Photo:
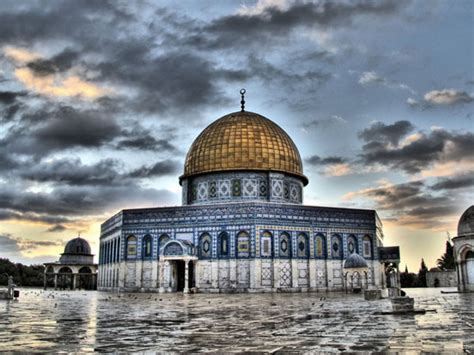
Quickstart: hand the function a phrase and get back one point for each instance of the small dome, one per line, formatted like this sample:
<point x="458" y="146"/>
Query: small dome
<point x="355" y="261"/>
<point x="466" y="223"/>
<point x="243" y="141"/>
<point x="77" y="246"/>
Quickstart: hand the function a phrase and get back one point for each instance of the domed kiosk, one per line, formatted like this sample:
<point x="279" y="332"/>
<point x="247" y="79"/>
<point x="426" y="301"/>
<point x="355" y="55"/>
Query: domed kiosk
<point x="75" y="268"/>
<point x="464" y="251"/>
<point x="242" y="226"/>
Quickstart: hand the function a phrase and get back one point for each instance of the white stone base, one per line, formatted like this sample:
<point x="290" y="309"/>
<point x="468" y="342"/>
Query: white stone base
<point x="234" y="276"/>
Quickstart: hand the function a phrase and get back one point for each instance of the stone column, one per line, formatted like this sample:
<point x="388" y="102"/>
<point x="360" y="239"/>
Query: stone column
<point x="214" y="273"/>
<point x="44" y="280"/>
<point x="168" y="276"/>
<point x="233" y="273"/>
<point x="294" y="273"/>
<point x="312" y="272"/>
<point x="161" y="275"/>
<point x="399" y="284"/>
<point x="74" y="281"/>
<point x="276" y="273"/>
<point x="186" y="276"/>
<point x="55" y="281"/>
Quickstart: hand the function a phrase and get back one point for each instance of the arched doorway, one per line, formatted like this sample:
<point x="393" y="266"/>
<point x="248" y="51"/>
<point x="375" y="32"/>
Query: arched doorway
<point x="85" y="278"/>
<point x="65" y="278"/>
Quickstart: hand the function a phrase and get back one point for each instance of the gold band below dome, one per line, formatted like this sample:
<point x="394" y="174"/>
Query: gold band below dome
<point x="243" y="141"/>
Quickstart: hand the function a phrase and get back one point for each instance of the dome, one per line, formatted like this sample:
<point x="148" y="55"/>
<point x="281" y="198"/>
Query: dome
<point x="77" y="246"/>
<point x="355" y="261"/>
<point x="243" y="141"/>
<point x="466" y="222"/>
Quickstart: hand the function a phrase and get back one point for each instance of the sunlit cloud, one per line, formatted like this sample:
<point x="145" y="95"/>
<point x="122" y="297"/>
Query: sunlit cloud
<point x="447" y="97"/>
<point x="338" y="170"/>
<point x="261" y="6"/>
<point x="53" y="85"/>
<point x="20" y="55"/>
<point x="449" y="168"/>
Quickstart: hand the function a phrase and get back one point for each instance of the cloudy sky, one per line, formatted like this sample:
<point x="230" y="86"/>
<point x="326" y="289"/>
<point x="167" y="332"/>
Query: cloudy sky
<point x="100" y="100"/>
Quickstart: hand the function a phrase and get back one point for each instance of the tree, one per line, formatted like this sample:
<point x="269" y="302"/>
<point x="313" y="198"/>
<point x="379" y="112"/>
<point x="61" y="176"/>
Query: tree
<point x="22" y="275"/>
<point x="446" y="262"/>
<point x="421" y="280"/>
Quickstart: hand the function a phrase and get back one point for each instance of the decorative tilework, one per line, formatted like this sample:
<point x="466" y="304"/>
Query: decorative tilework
<point x="277" y="189"/>
<point x="267" y="274"/>
<point x="285" y="274"/>
<point x="202" y="191"/>
<point x="236" y="188"/>
<point x="212" y="189"/>
<point x="286" y="190"/>
<point x="250" y="188"/>
<point x="294" y="192"/>
<point x="224" y="188"/>
<point x="263" y="190"/>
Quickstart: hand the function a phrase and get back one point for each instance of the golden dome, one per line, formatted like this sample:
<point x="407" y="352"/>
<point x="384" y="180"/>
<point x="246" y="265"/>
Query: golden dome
<point x="243" y="141"/>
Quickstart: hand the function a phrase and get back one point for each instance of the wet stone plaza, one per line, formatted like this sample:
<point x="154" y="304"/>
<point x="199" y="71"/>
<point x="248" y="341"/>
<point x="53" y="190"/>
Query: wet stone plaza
<point x="80" y="321"/>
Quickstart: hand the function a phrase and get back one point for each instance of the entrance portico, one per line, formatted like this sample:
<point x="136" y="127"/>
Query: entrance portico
<point x="177" y="267"/>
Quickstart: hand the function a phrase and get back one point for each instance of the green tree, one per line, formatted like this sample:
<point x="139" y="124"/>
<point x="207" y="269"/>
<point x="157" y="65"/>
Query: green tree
<point x="446" y="262"/>
<point x="23" y="275"/>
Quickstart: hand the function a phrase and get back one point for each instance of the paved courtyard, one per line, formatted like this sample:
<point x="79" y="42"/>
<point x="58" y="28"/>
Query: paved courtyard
<point x="78" y="321"/>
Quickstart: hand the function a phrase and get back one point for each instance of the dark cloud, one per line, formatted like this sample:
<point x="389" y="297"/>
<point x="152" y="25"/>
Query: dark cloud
<point x="63" y="202"/>
<point x="7" y="214"/>
<point x="162" y="168"/>
<point x="57" y="228"/>
<point x="274" y="24"/>
<point x="412" y="204"/>
<point x="61" y="128"/>
<point x="10" y="104"/>
<point x="324" y="122"/>
<point x="9" y="243"/>
<point x="73" y="172"/>
<point x="141" y="139"/>
<point x="316" y="160"/>
<point x="9" y="97"/>
<point x="383" y="133"/>
<point x="59" y="63"/>
<point x="455" y="182"/>
<point x="439" y="145"/>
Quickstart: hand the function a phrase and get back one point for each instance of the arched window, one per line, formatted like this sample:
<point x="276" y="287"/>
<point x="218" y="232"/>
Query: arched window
<point x="320" y="247"/>
<point x="285" y="245"/>
<point x="266" y="244"/>
<point x="131" y="247"/>
<point x="352" y="244"/>
<point x="243" y="245"/>
<point x="162" y="240"/>
<point x="336" y="247"/>
<point x="302" y="245"/>
<point x="367" y="245"/>
<point x="205" y="246"/>
<point x="223" y="245"/>
<point x="147" y="247"/>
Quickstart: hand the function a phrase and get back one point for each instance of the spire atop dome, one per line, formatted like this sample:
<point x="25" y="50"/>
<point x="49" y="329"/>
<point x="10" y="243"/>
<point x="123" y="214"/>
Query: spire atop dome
<point x="242" y="102"/>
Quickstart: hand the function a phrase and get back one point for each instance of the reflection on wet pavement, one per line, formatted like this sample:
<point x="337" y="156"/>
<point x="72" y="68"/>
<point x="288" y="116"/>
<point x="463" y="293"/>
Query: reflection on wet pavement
<point x="78" y="321"/>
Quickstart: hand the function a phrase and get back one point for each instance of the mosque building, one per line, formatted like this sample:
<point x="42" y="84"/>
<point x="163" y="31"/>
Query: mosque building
<point x="242" y="226"/>
<point x="75" y="268"/>
<point x="464" y="251"/>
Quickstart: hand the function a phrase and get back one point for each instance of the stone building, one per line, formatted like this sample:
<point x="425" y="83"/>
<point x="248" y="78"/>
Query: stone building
<point x="464" y="251"/>
<point x="441" y="278"/>
<point x="75" y="268"/>
<point x="242" y="226"/>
